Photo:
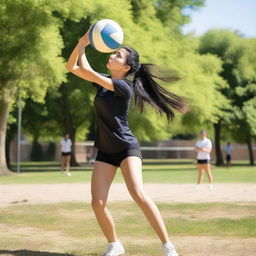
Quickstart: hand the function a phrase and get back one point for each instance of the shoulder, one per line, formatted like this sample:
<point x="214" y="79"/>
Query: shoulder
<point x="208" y="141"/>
<point x="122" y="88"/>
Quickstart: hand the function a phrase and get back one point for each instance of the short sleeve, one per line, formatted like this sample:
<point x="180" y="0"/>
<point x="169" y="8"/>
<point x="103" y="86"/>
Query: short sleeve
<point x="209" y="144"/>
<point x="122" y="88"/>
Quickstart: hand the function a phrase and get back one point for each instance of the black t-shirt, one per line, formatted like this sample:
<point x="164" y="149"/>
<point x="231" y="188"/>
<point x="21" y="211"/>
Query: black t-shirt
<point x="113" y="134"/>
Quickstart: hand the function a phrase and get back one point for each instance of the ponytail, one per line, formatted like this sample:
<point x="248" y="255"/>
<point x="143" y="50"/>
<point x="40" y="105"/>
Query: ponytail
<point x="146" y="89"/>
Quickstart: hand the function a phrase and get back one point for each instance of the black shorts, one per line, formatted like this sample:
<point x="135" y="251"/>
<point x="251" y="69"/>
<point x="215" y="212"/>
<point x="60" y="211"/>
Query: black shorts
<point x="228" y="157"/>
<point x="66" y="153"/>
<point x="116" y="158"/>
<point x="203" y="161"/>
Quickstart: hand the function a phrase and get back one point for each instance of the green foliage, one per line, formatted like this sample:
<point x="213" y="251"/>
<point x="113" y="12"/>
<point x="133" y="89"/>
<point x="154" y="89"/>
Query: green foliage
<point x="239" y="70"/>
<point x="29" y="49"/>
<point x="171" y="12"/>
<point x="151" y="27"/>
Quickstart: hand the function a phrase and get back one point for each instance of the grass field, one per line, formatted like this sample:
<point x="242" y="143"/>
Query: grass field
<point x="71" y="228"/>
<point x="173" y="171"/>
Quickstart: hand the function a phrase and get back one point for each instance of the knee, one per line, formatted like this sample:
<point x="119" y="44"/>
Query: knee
<point x="98" y="204"/>
<point x="137" y="194"/>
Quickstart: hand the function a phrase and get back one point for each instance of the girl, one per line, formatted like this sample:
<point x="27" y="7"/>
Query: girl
<point x="116" y="144"/>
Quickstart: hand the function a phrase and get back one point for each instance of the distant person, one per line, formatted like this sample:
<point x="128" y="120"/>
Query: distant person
<point x="65" y="154"/>
<point x="203" y="148"/>
<point x="228" y="150"/>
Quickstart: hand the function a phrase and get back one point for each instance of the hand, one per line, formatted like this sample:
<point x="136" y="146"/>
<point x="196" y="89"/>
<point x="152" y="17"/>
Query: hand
<point x="84" y="40"/>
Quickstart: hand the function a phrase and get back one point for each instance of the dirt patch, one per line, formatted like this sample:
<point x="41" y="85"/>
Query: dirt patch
<point x="185" y="193"/>
<point x="37" y="237"/>
<point x="215" y="246"/>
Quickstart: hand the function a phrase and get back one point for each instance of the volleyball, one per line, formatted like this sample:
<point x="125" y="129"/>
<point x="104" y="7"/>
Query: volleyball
<point x="106" y="35"/>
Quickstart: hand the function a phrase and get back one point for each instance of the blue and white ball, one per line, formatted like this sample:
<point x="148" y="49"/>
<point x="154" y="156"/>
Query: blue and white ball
<point x="106" y="35"/>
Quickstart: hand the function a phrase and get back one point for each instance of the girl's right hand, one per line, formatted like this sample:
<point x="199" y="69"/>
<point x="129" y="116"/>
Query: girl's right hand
<point x="84" y="40"/>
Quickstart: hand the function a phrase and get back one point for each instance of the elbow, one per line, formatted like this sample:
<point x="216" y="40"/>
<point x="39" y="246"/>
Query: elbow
<point x="69" y="67"/>
<point x="85" y="70"/>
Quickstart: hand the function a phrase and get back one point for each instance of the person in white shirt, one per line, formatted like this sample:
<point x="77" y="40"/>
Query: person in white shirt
<point x="66" y="154"/>
<point x="228" y="150"/>
<point x="203" y="148"/>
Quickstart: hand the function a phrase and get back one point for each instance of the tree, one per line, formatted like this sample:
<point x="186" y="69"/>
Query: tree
<point x="70" y="105"/>
<point x="238" y="70"/>
<point x="28" y="63"/>
<point x="244" y="97"/>
<point x="30" y="51"/>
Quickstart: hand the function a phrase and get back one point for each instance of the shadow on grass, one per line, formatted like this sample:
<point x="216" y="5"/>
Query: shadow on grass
<point x="38" y="253"/>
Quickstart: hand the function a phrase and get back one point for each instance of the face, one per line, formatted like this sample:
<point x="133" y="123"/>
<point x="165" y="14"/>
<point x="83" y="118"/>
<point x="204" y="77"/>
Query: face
<point x="202" y="135"/>
<point x="117" y="61"/>
<point x="66" y="136"/>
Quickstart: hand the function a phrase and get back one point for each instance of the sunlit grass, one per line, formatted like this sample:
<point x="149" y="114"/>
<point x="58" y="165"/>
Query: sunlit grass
<point x="169" y="171"/>
<point x="72" y="227"/>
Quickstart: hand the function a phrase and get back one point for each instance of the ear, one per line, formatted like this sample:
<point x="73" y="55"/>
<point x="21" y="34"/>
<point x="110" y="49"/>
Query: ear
<point x="127" y="68"/>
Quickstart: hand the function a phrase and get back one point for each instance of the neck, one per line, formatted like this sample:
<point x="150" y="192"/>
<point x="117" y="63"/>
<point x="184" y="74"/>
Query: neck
<point x="117" y="75"/>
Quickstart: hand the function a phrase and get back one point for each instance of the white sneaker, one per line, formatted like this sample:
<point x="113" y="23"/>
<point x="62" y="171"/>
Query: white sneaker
<point x="114" y="249"/>
<point x="68" y="173"/>
<point x="210" y="186"/>
<point x="169" y="249"/>
<point x="197" y="187"/>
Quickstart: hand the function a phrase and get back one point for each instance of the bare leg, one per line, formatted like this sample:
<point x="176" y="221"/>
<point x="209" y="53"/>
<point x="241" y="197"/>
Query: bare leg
<point x="62" y="163"/>
<point x="102" y="178"/>
<point x="68" y="163"/>
<point x="200" y="173"/>
<point x="207" y="168"/>
<point x="132" y="173"/>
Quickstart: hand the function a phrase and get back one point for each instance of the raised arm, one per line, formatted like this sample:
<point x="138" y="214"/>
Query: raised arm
<point x="79" y="65"/>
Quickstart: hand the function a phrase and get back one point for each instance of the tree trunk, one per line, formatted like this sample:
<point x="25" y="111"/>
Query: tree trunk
<point x="217" y="132"/>
<point x="249" y="144"/>
<point x="7" y="152"/>
<point x="4" y="111"/>
<point x="72" y="134"/>
<point x="69" y="127"/>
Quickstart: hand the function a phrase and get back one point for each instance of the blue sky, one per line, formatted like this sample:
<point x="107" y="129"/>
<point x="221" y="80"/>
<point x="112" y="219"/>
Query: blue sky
<point x="233" y="14"/>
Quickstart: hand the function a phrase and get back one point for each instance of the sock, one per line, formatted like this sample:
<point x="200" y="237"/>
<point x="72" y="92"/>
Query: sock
<point x="115" y="243"/>
<point x="168" y="244"/>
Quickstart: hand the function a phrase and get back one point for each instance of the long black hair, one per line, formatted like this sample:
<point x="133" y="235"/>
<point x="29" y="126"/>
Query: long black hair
<point x="146" y="89"/>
